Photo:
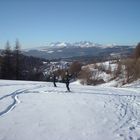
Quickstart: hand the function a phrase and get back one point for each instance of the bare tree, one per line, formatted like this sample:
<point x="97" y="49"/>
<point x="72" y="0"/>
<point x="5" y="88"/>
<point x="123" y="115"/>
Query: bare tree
<point x="137" y="51"/>
<point x="75" y="68"/>
<point x="85" y="76"/>
<point x="90" y="77"/>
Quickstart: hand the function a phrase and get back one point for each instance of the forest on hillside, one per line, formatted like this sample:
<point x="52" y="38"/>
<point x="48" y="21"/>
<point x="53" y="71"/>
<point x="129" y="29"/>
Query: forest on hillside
<point x="16" y="66"/>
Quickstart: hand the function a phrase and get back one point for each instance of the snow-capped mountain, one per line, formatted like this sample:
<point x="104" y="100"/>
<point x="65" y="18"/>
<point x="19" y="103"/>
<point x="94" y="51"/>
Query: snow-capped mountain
<point x="81" y="44"/>
<point x="78" y="49"/>
<point x="57" y="44"/>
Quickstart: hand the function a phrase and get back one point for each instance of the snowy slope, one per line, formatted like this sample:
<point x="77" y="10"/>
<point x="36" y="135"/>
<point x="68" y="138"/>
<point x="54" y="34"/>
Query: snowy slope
<point x="38" y="111"/>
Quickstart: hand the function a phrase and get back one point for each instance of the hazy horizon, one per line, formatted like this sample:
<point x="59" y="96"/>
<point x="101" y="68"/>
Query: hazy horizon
<point x="49" y="44"/>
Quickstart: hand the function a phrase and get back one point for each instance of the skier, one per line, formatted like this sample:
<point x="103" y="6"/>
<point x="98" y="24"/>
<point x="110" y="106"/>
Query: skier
<point x="54" y="79"/>
<point x="67" y="80"/>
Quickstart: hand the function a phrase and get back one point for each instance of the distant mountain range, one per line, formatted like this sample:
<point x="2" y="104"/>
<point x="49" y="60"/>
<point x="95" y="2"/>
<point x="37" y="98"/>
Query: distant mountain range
<point x="58" y="50"/>
<point x="81" y="44"/>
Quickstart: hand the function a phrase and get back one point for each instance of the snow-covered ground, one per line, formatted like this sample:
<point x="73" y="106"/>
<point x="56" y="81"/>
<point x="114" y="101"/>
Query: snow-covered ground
<point x="38" y="111"/>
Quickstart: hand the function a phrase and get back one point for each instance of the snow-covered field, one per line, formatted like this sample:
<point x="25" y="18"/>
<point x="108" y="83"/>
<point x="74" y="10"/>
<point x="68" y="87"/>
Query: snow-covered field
<point x="38" y="111"/>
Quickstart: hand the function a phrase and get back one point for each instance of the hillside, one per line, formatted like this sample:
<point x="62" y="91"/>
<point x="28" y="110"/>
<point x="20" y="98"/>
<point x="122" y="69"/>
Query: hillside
<point x="38" y="111"/>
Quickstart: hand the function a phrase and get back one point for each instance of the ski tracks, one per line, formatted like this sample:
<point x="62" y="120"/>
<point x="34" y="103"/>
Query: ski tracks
<point x="14" y="96"/>
<point x="127" y="112"/>
<point x="125" y="107"/>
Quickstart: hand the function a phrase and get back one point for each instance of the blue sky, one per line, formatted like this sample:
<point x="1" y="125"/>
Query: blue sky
<point x="37" y="22"/>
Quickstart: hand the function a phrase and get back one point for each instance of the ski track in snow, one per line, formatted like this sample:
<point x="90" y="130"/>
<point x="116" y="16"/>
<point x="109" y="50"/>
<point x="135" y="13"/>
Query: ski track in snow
<point x="128" y="117"/>
<point x="14" y="96"/>
<point x="125" y="106"/>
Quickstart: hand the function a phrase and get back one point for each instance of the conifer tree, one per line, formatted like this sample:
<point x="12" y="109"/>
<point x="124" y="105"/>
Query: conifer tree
<point x="17" y="53"/>
<point x="6" y="68"/>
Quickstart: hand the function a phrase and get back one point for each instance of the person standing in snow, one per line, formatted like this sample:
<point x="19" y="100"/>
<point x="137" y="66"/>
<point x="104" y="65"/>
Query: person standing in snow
<point x="54" y="79"/>
<point x="67" y="80"/>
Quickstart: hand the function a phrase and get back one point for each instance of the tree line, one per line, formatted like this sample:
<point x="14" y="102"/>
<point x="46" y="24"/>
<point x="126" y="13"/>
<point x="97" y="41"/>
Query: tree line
<point x="127" y="70"/>
<point x="16" y="66"/>
<point x="132" y="66"/>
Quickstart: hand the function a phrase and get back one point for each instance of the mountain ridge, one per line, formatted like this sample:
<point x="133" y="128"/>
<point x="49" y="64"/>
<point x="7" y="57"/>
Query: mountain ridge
<point x="62" y="50"/>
